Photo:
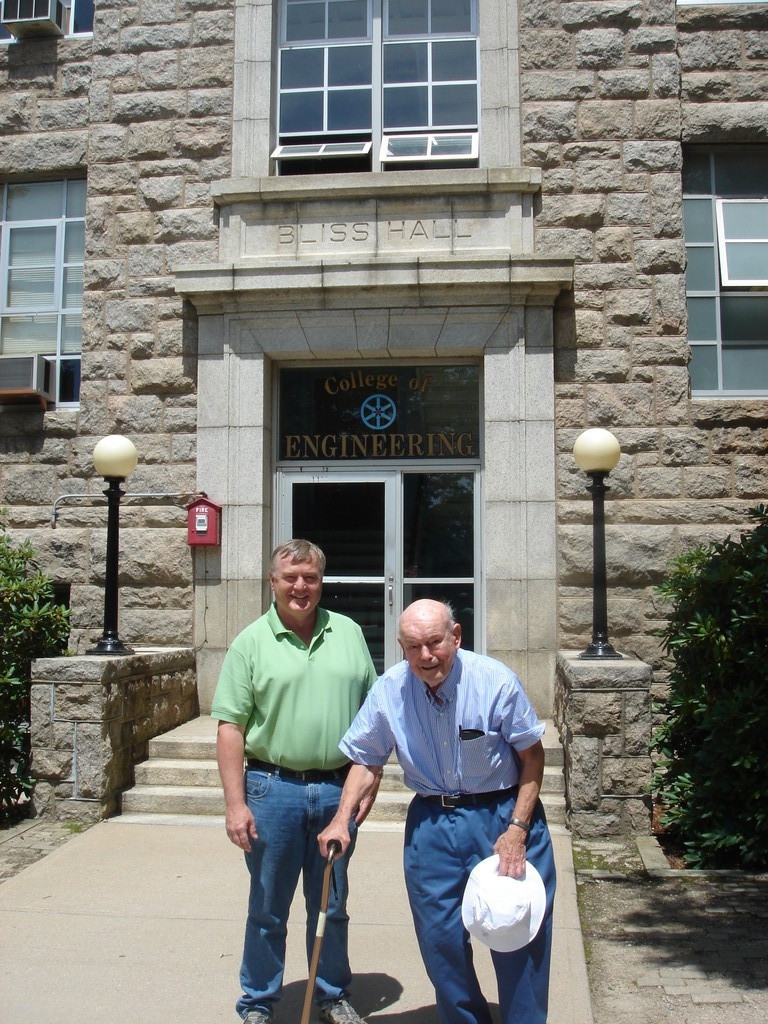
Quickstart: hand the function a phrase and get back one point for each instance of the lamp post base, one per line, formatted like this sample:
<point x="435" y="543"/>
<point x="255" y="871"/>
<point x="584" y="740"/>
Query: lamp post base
<point x="110" y="645"/>
<point x="600" y="649"/>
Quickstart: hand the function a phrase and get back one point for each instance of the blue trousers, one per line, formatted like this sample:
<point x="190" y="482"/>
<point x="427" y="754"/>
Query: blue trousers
<point x="289" y="815"/>
<point x="441" y="848"/>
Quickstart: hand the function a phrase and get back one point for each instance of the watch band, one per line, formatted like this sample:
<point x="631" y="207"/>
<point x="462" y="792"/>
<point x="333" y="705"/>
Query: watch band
<point x="524" y="825"/>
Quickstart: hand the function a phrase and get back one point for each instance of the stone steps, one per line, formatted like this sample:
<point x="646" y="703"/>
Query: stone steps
<point x="179" y="782"/>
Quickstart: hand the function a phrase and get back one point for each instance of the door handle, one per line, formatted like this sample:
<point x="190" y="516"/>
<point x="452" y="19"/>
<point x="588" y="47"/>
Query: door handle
<point x="391" y="592"/>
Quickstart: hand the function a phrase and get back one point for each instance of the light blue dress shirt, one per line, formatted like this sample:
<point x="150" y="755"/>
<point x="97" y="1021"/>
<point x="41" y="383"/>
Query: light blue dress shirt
<point x="480" y="696"/>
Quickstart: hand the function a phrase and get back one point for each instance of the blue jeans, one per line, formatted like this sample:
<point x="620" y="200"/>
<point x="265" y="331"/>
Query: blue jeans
<point x="289" y="814"/>
<point x="441" y="848"/>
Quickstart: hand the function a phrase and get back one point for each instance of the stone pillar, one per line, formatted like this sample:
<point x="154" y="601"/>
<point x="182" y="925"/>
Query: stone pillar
<point x="92" y="718"/>
<point x="603" y="713"/>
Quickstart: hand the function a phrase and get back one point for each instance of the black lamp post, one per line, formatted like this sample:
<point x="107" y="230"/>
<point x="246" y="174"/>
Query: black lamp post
<point x="596" y="452"/>
<point x="115" y="458"/>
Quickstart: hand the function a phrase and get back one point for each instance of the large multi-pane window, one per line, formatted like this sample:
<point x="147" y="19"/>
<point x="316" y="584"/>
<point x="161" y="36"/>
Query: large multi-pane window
<point x="371" y="83"/>
<point x="79" y="17"/>
<point x="725" y="201"/>
<point x="42" y="245"/>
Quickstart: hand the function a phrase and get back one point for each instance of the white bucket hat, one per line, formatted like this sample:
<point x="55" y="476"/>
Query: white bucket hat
<point x="503" y="912"/>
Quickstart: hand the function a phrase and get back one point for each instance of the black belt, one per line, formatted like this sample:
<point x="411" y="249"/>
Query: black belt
<point x="309" y="775"/>
<point x="466" y="799"/>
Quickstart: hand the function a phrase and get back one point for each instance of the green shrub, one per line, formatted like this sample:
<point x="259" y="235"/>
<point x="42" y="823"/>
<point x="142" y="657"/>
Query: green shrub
<point x="32" y="626"/>
<point x="711" y="780"/>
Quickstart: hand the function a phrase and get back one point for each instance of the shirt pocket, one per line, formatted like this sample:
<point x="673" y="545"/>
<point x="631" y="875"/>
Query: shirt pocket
<point x="480" y="760"/>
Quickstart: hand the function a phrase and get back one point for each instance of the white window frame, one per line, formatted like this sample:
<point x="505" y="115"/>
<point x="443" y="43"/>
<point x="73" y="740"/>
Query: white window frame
<point x="57" y="308"/>
<point x="726" y="243"/>
<point x="431" y="152"/>
<point x="320" y="150"/>
<point x="377" y="15"/>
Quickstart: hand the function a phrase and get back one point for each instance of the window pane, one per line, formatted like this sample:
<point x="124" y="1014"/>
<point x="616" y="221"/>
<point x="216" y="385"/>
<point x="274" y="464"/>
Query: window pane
<point x="405" y="108"/>
<point x="406" y="62"/>
<point x="700" y="272"/>
<point x="698" y="216"/>
<point x="697" y="178"/>
<point x="740" y="171"/>
<point x="745" y="220"/>
<point x="408" y="18"/>
<point x="349" y="110"/>
<point x="347" y="521"/>
<point x="461" y="146"/>
<point x="82" y="16"/>
<point x="69" y="380"/>
<point x="74" y="242"/>
<point x="39" y="201"/>
<point x="32" y="246"/>
<point x="438" y="538"/>
<point x="71" y="333"/>
<point x="349" y="65"/>
<point x="72" y="297"/>
<point x="451" y="16"/>
<point x="348" y="19"/>
<point x="454" y="105"/>
<point x="28" y="335"/>
<point x="702" y="319"/>
<point x="302" y="69"/>
<point x="305" y="22"/>
<point x="745" y="367"/>
<point x="415" y="145"/>
<point x="454" y="61"/>
<point x="31" y="288"/>
<point x="744" y="318"/>
<point x="747" y="261"/>
<point x="301" y="113"/>
<point x="703" y="368"/>
<point x="76" y="198"/>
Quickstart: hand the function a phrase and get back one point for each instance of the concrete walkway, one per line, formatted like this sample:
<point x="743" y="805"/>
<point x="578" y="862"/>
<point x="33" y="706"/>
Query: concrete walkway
<point x="143" y="923"/>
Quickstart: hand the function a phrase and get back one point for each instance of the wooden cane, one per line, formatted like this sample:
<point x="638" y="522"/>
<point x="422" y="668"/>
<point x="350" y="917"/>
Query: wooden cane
<point x="333" y="848"/>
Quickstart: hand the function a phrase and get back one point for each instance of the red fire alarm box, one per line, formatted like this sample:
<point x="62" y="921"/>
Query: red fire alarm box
<point x="203" y="522"/>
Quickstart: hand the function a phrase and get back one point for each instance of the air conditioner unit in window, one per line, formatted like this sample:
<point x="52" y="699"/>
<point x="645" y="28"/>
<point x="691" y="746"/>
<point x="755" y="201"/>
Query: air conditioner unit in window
<point x="27" y="379"/>
<point x="25" y="18"/>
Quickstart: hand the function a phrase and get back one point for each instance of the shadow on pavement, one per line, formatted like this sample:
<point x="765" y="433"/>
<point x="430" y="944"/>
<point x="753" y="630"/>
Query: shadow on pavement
<point x="717" y="926"/>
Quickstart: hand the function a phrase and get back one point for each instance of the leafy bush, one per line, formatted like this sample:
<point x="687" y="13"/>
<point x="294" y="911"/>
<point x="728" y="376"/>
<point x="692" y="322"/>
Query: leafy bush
<point x="711" y="780"/>
<point x="32" y="626"/>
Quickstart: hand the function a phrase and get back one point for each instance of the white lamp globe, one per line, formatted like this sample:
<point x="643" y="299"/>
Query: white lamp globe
<point x="596" y="450"/>
<point x="115" y="456"/>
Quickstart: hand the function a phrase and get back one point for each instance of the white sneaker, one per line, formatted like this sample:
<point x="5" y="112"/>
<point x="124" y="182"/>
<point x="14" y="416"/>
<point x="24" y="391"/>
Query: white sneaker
<point x="338" y="1011"/>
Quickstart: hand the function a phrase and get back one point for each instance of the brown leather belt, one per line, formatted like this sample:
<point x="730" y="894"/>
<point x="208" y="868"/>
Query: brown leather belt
<point x="308" y="775"/>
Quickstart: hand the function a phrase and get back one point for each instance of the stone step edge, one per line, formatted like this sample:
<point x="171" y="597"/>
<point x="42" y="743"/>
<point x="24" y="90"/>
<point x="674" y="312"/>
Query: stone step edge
<point x="209" y="765"/>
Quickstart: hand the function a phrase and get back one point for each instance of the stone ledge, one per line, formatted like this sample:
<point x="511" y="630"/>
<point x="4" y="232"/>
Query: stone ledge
<point x="109" y="667"/>
<point x="657" y="865"/>
<point x="328" y="187"/>
<point x="401" y="281"/>
<point x="595" y="674"/>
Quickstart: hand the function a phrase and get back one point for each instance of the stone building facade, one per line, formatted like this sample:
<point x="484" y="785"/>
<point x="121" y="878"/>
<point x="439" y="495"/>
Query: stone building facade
<point x="535" y="286"/>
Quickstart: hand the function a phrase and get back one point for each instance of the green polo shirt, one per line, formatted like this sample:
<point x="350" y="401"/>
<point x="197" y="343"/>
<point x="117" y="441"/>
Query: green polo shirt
<point x="296" y="702"/>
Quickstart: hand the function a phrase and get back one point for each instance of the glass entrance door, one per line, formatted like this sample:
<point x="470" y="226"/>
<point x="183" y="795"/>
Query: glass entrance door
<point x="390" y="537"/>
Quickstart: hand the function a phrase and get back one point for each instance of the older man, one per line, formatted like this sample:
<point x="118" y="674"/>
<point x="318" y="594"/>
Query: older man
<point x="469" y="744"/>
<point x="290" y="685"/>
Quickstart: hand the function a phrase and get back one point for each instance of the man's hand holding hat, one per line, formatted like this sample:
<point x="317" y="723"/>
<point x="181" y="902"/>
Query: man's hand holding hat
<point x="504" y="913"/>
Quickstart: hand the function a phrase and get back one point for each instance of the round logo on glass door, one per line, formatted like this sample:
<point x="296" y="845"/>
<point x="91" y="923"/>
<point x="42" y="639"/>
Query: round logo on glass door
<point x="378" y="412"/>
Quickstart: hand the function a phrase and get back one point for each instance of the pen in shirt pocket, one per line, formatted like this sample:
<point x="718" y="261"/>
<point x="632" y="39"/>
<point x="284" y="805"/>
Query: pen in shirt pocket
<point x="470" y="734"/>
